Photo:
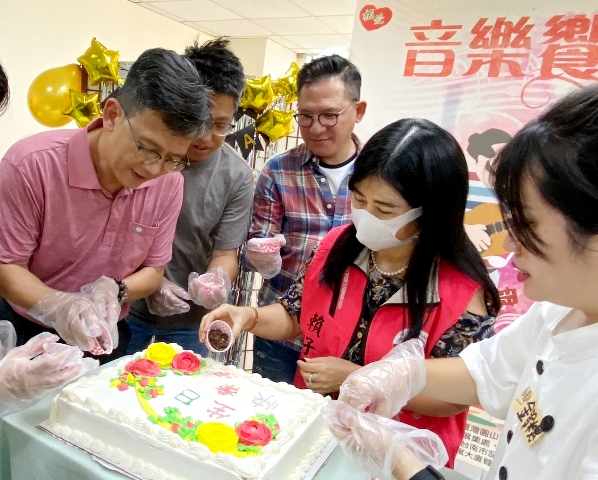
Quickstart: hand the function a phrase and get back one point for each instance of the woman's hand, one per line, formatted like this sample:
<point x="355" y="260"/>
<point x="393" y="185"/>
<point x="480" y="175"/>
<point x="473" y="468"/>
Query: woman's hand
<point x="325" y="374"/>
<point x="238" y="318"/>
<point x="382" y="447"/>
<point x="385" y="386"/>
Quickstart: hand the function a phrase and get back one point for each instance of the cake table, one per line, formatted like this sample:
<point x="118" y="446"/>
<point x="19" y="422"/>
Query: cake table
<point x="27" y="452"/>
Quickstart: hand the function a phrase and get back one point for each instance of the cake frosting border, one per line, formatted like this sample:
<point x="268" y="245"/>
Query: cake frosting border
<point x="249" y="468"/>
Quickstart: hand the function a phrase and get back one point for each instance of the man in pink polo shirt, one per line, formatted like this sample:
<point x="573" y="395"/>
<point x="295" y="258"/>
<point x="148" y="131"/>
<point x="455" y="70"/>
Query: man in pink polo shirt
<point x="31" y="371"/>
<point x="88" y="216"/>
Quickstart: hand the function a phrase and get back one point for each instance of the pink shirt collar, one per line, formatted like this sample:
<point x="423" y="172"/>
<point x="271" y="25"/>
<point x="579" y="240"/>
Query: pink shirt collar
<point x="81" y="170"/>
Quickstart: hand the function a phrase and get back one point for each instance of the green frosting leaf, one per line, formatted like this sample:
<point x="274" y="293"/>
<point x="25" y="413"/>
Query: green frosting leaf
<point x="251" y="449"/>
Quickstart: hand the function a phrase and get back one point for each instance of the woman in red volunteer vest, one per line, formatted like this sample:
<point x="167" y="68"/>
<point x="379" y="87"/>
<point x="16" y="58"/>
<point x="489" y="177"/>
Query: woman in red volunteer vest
<point x="404" y="268"/>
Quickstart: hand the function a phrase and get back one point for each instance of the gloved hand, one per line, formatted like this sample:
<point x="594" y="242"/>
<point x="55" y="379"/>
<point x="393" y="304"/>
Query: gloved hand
<point x="168" y="300"/>
<point x="376" y="443"/>
<point x="385" y="386"/>
<point x="210" y="289"/>
<point x="29" y="372"/>
<point x="104" y="295"/>
<point x="8" y="337"/>
<point x="264" y="255"/>
<point x="74" y="317"/>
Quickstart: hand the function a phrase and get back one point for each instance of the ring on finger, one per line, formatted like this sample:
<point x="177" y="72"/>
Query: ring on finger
<point x="310" y="380"/>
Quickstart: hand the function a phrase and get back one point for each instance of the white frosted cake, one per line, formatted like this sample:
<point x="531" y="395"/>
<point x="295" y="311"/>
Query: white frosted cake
<point x="168" y="414"/>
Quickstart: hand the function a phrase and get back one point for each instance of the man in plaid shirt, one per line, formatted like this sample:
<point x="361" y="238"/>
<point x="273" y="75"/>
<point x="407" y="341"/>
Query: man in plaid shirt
<point x="302" y="193"/>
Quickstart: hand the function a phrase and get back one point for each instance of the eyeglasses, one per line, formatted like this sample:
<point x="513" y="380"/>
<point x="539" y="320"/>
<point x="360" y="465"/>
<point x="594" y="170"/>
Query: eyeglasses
<point x="147" y="156"/>
<point x="221" y="129"/>
<point x="328" y="119"/>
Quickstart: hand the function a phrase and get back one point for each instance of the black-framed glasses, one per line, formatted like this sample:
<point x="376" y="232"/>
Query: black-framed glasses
<point x="327" y="119"/>
<point x="147" y="156"/>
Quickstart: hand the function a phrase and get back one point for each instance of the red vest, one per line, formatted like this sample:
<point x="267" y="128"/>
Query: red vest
<point x="337" y="316"/>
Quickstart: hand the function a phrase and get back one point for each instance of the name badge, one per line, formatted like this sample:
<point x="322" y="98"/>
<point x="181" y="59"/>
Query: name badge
<point x="526" y="408"/>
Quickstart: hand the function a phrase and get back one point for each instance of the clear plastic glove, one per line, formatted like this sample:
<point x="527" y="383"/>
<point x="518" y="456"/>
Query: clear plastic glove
<point x="264" y="255"/>
<point x="104" y="295"/>
<point x="74" y="317"/>
<point x="29" y="372"/>
<point x="8" y="337"/>
<point x="376" y="443"/>
<point x="210" y="289"/>
<point x="385" y="386"/>
<point x="168" y="300"/>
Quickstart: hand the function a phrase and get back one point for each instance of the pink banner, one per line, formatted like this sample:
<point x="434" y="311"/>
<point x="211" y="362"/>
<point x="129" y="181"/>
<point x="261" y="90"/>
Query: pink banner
<point x="480" y="70"/>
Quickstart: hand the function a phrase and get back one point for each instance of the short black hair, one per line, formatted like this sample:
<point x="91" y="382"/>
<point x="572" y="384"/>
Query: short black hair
<point x="331" y="66"/>
<point x="220" y="68"/>
<point x="167" y="83"/>
<point x="4" y="91"/>
<point x="557" y="152"/>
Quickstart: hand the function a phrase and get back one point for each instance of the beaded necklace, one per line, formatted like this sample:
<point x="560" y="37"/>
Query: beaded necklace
<point x="387" y="274"/>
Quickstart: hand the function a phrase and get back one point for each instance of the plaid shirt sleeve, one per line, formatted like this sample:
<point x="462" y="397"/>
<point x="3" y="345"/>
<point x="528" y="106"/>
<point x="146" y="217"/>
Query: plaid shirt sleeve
<point x="268" y="210"/>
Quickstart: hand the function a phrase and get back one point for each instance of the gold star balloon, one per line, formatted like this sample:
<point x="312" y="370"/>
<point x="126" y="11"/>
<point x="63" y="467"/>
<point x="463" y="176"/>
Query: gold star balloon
<point x="258" y="94"/>
<point x="101" y="64"/>
<point x="287" y="86"/>
<point x="84" y="108"/>
<point x="275" y="124"/>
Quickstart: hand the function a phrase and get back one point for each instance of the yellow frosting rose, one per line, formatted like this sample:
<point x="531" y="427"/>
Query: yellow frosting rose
<point x="161" y="353"/>
<point x="217" y="436"/>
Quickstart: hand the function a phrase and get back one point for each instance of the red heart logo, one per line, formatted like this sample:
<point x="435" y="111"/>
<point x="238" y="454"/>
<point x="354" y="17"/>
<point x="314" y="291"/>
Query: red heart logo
<point x="373" y="18"/>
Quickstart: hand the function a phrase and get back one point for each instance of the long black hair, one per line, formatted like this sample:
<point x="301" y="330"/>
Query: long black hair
<point x="4" y="91"/>
<point x="558" y="151"/>
<point x="426" y="166"/>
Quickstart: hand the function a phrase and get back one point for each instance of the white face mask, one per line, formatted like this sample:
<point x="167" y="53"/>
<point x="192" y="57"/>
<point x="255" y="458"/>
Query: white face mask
<point x="378" y="234"/>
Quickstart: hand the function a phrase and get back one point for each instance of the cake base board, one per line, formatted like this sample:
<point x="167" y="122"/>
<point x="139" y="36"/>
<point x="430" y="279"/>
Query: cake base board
<point x="311" y="474"/>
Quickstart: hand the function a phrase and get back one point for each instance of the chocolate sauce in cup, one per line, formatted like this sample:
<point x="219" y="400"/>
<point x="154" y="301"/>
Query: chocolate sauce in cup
<point x="220" y="337"/>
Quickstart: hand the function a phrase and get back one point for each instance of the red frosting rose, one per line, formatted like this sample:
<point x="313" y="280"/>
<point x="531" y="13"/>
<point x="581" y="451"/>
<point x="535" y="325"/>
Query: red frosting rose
<point x="186" y="362"/>
<point x="143" y="367"/>
<point x="253" y="433"/>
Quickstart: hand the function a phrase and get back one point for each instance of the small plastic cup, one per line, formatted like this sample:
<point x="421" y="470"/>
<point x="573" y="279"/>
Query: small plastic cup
<point x="210" y="281"/>
<point x="216" y="339"/>
<point x="269" y="245"/>
<point x="103" y="343"/>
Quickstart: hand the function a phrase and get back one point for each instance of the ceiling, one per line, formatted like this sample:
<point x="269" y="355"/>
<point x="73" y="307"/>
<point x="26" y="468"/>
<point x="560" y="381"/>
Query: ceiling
<point x="304" y="26"/>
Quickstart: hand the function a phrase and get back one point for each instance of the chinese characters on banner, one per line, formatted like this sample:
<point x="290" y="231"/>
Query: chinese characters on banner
<point x="480" y="440"/>
<point x="481" y="72"/>
<point x="566" y="47"/>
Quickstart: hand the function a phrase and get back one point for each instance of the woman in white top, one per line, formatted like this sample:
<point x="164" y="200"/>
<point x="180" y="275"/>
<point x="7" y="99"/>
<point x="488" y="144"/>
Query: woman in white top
<point x="541" y="373"/>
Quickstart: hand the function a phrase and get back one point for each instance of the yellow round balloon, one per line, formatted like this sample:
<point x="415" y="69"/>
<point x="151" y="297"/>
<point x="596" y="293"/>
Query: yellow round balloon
<point x="275" y="124"/>
<point x="49" y="94"/>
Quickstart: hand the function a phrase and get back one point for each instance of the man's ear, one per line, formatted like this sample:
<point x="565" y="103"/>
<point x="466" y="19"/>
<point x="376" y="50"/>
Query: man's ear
<point x="360" y="110"/>
<point x="593" y="244"/>
<point x="112" y="112"/>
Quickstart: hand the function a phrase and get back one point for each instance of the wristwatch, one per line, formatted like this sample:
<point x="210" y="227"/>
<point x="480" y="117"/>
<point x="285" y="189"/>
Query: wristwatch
<point x="428" y="473"/>
<point x="123" y="291"/>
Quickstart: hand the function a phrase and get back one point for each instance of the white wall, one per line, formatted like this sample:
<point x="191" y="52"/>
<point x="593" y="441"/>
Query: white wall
<point x="251" y="52"/>
<point x="278" y="59"/>
<point x="36" y="35"/>
<point x="262" y="56"/>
